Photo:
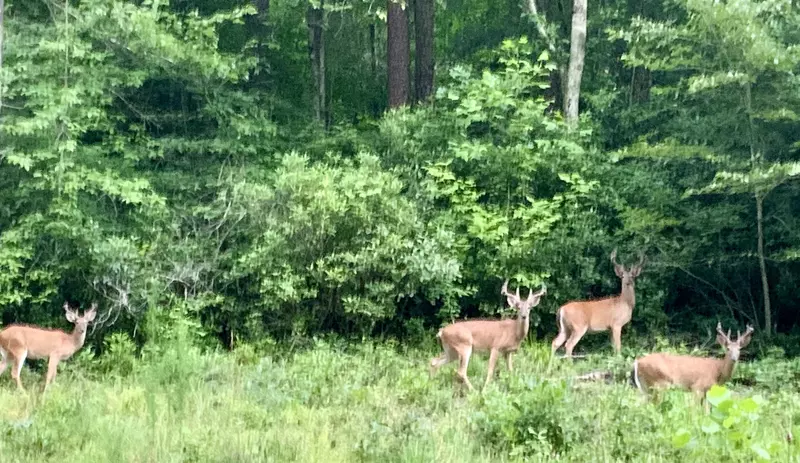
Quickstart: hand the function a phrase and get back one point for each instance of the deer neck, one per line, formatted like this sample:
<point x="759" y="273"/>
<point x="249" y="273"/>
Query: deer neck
<point x="628" y="296"/>
<point x="522" y="326"/>
<point x="78" y="338"/>
<point x="726" y="367"/>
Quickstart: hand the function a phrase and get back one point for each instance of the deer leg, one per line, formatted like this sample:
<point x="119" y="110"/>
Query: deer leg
<point x="462" y="367"/>
<point x="52" y="367"/>
<point x="558" y="341"/>
<point x="492" y="362"/>
<point x="447" y="356"/>
<point x="508" y="361"/>
<point x="3" y="361"/>
<point x="562" y="334"/>
<point x="700" y="396"/>
<point x="616" y="336"/>
<point x="574" y="338"/>
<point x="19" y="360"/>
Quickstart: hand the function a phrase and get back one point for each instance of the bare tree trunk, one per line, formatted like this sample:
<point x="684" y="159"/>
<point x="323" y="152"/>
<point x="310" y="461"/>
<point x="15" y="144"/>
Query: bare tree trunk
<point x="759" y="195"/>
<point x="262" y="13"/>
<point x="315" y="18"/>
<point x="2" y="9"/>
<point x="375" y="100"/>
<point x="555" y="92"/>
<point x="258" y="26"/>
<point x="397" y="54"/>
<point x="577" y="51"/>
<point x="763" y="264"/>
<point x="424" y="11"/>
<point x="373" y="56"/>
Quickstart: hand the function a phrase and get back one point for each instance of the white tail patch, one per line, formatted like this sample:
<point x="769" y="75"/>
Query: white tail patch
<point x="636" y="375"/>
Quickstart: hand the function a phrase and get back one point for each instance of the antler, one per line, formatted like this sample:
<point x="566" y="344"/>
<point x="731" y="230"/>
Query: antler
<point x="614" y="257"/>
<point x="641" y="261"/>
<point x="722" y="333"/>
<point x="504" y="291"/>
<point x="748" y="331"/>
<point x="542" y="291"/>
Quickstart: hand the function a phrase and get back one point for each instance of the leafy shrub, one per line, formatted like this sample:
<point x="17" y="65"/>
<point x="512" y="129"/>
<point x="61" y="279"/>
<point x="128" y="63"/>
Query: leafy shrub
<point x="731" y="431"/>
<point x="531" y="421"/>
<point x="335" y="247"/>
<point x="119" y="355"/>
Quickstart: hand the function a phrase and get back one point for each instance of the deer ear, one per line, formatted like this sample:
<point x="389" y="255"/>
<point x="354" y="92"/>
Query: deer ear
<point x="512" y="301"/>
<point x="635" y="271"/>
<point x="91" y="313"/>
<point x="619" y="270"/>
<point x="71" y="317"/>
<point x="722" y="341"/>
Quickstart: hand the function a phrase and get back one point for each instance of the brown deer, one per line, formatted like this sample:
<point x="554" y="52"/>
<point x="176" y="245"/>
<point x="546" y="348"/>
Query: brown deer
<point x="577" y="317"/>
<point x="460" y="339"/>
<point x="696" y="374"/>
<point x="18" y="342"/>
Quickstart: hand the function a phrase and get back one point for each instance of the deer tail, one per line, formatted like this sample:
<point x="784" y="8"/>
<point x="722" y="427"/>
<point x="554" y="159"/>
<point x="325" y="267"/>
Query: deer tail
<point x="560" y="317"/>
<point x="635" y="376"/>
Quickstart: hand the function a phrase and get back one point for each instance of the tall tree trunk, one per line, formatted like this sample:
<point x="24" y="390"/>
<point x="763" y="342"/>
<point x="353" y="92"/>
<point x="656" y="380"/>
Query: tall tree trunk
<point x="397" y="54"/>
<point x="375" y="100"/>
<point x="423" y="41"/>
<point x="315" y="18"/>
<point x="577" y="51"/>
<point x="641" y="81"/>
<point x="262" y="15"/>
<point x="553" y="94"/>
<point x="763" y="264"/>
<point x="258" y="26"/>
<point x="2" y="9"/>
<point x="759" y="196"/>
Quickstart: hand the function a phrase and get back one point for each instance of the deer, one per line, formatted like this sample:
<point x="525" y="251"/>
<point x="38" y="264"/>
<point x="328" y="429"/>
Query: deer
<point x="460" y="339"/>
<point x="18" y="342"/>
<point x="696" y="374"/>
<point x="575" y="318"/>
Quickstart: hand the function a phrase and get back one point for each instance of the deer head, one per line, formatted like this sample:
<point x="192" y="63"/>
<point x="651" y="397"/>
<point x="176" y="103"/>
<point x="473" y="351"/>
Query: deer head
<point x="523" y="306"/>
<point x="81" y="323"/>
<point x="733" y="348"/>
<point x="627" y="275"/>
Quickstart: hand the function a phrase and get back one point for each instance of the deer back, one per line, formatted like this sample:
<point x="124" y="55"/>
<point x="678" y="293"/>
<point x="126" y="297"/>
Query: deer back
<point x="39" y="342"/>
<point x="484" y="334"/>
<point x="597" y="315"/>
<point x="695" y="373"/>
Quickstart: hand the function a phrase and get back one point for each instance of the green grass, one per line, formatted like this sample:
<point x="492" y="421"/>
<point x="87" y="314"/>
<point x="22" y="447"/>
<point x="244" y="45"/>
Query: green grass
<point x="373" y="402"/>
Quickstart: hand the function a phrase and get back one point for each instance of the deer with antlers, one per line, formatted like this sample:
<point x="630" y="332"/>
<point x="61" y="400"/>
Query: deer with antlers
<point x="18" y="342"/>
<point x="697" y="374"/>
<point x="460" y="339"/>
<point x="612" y="313"/>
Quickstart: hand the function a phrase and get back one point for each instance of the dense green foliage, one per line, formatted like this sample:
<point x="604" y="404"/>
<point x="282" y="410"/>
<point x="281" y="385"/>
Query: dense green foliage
<point x="158" y="157"/>
<point x="163" y="157"/>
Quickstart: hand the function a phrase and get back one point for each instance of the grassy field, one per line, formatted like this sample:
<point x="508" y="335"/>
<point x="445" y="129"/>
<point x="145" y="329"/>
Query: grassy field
<point x="376" y="402"/>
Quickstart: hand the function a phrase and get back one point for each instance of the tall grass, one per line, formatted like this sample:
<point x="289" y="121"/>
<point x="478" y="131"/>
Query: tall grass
<point x="369" y="402"/>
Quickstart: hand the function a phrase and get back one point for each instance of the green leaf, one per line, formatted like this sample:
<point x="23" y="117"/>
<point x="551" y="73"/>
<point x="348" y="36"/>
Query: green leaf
<point x="710" y="427"/>
<point x="681" y="438"/>
<point x="717" y="394"/>
<point x="760" y="451"/>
